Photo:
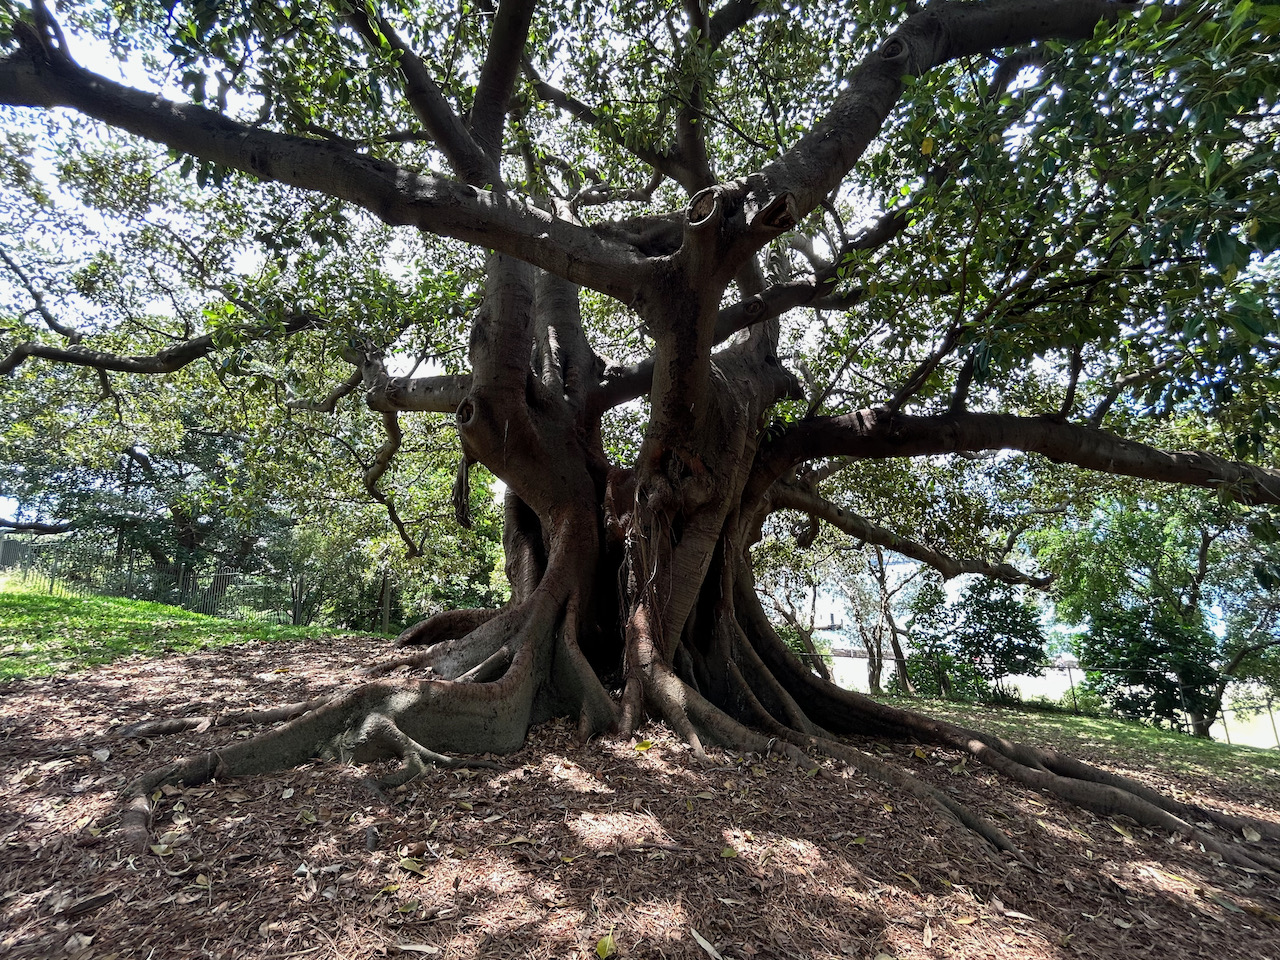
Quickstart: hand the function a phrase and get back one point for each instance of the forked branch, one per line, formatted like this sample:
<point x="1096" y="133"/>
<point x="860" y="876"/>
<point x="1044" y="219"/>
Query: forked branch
<point x="788" y="497"/>
<point x="166" y="360"/>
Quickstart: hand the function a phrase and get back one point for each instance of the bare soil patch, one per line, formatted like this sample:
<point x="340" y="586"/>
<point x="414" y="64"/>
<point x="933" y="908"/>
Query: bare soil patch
<point x="749" y="858"/>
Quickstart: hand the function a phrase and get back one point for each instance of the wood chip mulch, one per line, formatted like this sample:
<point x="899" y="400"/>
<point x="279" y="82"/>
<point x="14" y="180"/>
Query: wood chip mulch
<point x="574" y="844"/>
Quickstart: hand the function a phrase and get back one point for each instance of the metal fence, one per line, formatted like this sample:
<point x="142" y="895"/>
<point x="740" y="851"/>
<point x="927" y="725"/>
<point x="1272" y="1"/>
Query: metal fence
<point x="1243" y="708"/>
<point x="66" y="569"/>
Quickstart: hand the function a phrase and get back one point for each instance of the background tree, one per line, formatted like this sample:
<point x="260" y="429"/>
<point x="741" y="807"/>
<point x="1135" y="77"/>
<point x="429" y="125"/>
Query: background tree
<point x="793" y="582"/>
<point x="1169" y="592"/>
<point x="873" y="594"/>
<point x="1001" y="632"/>
<point x="650" y="223"/>
<point x="240" y="459"/>
<point x="967" y="647"/>
<point x="931" y="666"/>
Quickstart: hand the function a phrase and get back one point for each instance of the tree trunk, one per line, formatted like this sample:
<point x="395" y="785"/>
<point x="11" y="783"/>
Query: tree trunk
<point x="900" y="666"/>
<point x="875" y="663"/>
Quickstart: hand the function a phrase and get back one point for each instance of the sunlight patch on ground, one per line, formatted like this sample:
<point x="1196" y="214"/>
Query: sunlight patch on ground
<point x="603" y="831"/>
<point x="567" y="774"/>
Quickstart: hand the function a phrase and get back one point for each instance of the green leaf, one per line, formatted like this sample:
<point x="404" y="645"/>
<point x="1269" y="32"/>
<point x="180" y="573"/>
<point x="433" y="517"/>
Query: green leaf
<point x="1225" y="251"/>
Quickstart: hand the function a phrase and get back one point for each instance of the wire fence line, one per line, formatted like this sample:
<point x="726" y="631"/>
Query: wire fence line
<point x="1264" y="705"/>
<point x="194" y="583"/>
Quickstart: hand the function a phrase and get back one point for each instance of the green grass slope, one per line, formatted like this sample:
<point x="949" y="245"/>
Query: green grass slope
<point x="1119" y="741"/>
<point x="42" y="634"/>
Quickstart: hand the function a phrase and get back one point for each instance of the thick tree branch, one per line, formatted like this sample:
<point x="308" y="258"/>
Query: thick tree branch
<point x="1120" y="386"/>
<point x="395" y="195"/>
<point x="501" y="69"/>
<point x="660" y="160"/>
<point x="391" y="395"/>
<point x="433" y="394"/>
<point x="731" y="16"/>
<point x="1009" y="67"/>
<point x="1239" y="656"/>
<point x="330" y="402"/>
<point x="812" y="169"/>
<point x="788" y="497"/>
<point x="694" y="163"/>
<point x="167" y="360"/>
<point x="820" y="292"/>
<point x="429" y="104"/>
<point x="878" y="433"/>
<point x="598" y="192"/>
<point x="19" y="526"/>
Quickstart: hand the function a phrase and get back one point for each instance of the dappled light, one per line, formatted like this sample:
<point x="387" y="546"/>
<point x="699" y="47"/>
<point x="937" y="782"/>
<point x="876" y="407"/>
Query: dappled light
<point x="581" y="351"/>
<point x="569" y="844"/>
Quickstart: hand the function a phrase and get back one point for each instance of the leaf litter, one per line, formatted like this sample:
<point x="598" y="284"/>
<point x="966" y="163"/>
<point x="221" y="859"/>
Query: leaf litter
<point x="630" y="848"/>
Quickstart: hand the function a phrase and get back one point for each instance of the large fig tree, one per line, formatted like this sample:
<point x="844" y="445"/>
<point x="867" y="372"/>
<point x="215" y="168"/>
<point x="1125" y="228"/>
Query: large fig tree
<point x="820" y="240"/>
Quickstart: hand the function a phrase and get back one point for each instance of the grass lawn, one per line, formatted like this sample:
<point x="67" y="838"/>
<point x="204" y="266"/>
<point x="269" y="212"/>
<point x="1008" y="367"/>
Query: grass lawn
<point x="1124" y="741"/>
<point x="42" y="634"/>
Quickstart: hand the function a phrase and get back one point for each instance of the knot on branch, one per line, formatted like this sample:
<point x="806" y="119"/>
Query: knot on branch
<point x="466" y="412"/>
<point x="894" y="49"/>
<point x="778" y="215"/>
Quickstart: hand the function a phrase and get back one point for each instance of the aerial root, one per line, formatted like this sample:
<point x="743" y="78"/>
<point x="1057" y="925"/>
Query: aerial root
<point x="795" y="717"/>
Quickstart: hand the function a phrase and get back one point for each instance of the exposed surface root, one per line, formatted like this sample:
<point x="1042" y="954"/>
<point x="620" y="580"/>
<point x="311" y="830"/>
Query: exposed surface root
<point x="1102" y="792"/>
<point x="453" y="657"/>
<point x="883" y="772"/>
<point x="1107" y="794"/>
<point x="446" y="625"/>
<point x="524" y="664"/>
<point x="171" y="725"/>
<point x="373" y="721"/>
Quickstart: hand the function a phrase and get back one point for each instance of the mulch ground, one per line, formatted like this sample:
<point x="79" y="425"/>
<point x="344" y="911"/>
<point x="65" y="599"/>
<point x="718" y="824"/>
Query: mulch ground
<point x="574" y="844"/>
